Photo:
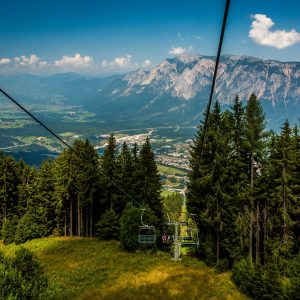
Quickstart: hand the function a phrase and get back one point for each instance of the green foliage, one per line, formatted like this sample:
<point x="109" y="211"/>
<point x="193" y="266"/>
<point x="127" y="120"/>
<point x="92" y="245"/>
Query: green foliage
<point x="256" y="281"/>
<point x="108" y="226"/>
<point x="32" y="225"/>
<point x="294" y="273"/>
<point x="22" y="277"/>
<point x="8" y="230"/>
<point x="130" y="223"/>
<point x="129" y="227"/>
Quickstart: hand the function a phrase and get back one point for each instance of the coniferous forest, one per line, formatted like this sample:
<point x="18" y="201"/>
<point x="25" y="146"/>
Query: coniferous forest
<point x="243" y="187"/>
<point x="245" y="190"/>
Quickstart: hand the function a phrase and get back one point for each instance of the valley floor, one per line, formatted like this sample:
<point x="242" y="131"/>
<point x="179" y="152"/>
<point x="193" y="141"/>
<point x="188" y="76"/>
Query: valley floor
<point x="81" y="268"/>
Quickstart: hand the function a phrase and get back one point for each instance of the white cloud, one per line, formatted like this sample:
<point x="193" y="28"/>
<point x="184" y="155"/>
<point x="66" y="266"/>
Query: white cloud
<point x="177" y="50"/>
<point x="104" y="63"/>
<point x="180" y="50"/>
<point x="31" y="61"/>
<point x="147" y="63"/>
<point x="4" y="61"/>
<point x="261" y="34"/>
<point x="122" y="61"/>
<point x="76" y="61"/>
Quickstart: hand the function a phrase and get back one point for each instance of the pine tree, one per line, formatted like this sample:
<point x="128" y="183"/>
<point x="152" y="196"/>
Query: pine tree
<point x="255" y="146"/>
<point x="110" y="169"/>
<point x="125" y="177"/>
<point x="283" y="194"/>
<point x="149" y="184"/>
<point x="8" y="188"/>
<point x="208" y="191"/>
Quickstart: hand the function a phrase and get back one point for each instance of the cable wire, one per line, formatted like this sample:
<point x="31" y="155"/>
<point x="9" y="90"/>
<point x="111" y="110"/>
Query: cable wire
<point x="215" y="73"/>
<point x="206" y="117"/>
<point x="65" y="143"/>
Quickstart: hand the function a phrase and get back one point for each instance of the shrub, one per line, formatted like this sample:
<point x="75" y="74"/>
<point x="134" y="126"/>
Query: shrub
<point x="108" y="226"/>
<point x="294" y="274"/>
<point x="32" y="225"/>
<point x="22" y="277"/>
<point x="8" y="231"/>
<point x="130" y="223"/>
<point x="256" y="281"/>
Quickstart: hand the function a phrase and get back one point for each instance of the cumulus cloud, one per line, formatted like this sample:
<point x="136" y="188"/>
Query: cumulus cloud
<point x="261" y="34"/>
<point x="76" y="61"/>
<point x="147" y="63"/>
<point x="180" y="50"/>
<point x="122" y="61"/>
<point x="177" y="50"/>
<point x="4" y="61"/>
<point x="32" y="61"/>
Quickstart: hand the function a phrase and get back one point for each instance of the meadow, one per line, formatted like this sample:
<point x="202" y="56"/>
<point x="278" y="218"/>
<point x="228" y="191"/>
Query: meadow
<point x="86" y="268"/>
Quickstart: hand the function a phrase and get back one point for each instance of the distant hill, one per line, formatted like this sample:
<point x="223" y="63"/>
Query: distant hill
<point x="174" y="92"/>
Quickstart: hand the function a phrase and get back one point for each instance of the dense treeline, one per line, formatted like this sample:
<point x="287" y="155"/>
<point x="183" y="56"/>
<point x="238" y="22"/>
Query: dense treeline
<point x="245" y="190"/>
<point x="76" y="195"/>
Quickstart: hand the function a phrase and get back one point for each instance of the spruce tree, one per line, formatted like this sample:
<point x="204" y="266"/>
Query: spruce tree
<point x="110" y="170"/>
<point x="149" y="183"/>
<point x="255" y="145"/>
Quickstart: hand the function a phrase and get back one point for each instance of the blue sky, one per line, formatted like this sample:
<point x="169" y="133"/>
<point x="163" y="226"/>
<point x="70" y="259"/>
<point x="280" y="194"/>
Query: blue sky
<point x="115" y="36"/>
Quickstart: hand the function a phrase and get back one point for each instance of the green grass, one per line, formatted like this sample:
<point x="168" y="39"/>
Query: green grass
<point x="82" y="268"/>
<point x="170" y="170"/>
<point x="166" y="193"/>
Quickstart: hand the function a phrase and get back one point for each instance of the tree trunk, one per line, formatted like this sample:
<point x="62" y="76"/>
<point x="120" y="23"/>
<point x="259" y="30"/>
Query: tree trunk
<point x="218" y="246"/>
<point x="78" y="221"/>
<point x="265" y="231"/>
<point x="81" y="222"/>
<point x="86" y="221"/>
<point x="71" y="217"/>
<point x="252" y="171"/>
<point x="250" y="236"/>
<point x="257" y="245"/>
<point x="65" y="225"/>
<point x="91" y="219"/>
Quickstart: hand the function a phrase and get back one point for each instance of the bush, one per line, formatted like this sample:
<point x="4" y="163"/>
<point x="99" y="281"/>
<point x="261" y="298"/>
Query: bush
<point x="294" y="274"/>
<point x="32" y="225"/>
<point x="8" y="231"/>
<point x="22" y="277"/>
<point x="256" y="281"/>
<point x="108" y="226"/>
<point x="130" y="223"/>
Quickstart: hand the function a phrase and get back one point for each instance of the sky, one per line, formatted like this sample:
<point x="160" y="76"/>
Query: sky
<point x="114" y="36"/>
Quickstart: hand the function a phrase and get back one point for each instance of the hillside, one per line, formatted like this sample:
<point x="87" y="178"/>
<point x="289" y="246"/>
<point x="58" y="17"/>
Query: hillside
<point x="81" y="268"/>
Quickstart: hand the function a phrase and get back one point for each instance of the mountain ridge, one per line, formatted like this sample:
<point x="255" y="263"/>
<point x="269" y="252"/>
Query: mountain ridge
<point x="173" y="92"/>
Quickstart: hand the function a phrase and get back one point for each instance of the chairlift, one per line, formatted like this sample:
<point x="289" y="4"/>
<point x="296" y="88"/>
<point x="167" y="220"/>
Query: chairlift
<point x="191" y="238"/>
<point x="147" y="234"/>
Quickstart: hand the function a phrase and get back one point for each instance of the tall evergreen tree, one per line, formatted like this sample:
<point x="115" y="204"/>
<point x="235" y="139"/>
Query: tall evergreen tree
<point x="126" y="176"/>
<point x="109" y="168"/>
<point x="149" y="184"/>
<point x="8" y="188"/>
<point x="255" y="145"/>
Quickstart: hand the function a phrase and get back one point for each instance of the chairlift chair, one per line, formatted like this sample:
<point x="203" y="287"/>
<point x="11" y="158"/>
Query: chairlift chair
<point x="147" y="234"/>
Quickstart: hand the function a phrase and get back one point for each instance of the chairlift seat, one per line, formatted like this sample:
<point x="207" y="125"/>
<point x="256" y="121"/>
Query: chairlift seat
<point x="147" y="235"/>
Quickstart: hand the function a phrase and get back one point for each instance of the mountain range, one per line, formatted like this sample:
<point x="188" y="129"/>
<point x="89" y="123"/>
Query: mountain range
<point x="173" y="92"/>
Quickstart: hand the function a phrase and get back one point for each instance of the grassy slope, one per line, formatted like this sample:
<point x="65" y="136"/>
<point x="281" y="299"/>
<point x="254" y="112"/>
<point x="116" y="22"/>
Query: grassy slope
<point x="88" y="269"/>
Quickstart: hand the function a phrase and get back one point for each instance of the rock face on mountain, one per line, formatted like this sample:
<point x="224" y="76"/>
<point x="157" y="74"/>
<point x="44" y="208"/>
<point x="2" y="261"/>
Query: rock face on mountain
<point x="174" y="92"/>
<point x="187" y="76"/>
<point x="177" y="89"/>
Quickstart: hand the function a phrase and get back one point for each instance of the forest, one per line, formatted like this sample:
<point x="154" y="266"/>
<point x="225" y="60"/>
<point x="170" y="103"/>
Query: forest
<point x="243" y="187"/>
